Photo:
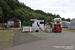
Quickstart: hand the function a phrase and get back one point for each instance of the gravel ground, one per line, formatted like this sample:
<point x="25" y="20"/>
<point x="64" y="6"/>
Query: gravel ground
<point x="17" y="30"/>
<point x="20" y="38"/>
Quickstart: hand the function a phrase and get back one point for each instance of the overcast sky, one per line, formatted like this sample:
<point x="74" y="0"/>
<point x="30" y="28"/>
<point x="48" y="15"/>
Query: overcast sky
<point x="65" y="8"/>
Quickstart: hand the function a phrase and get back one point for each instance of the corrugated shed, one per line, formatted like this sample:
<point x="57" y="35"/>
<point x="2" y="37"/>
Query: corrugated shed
<point x="65" y="24"/>
<point x="72" y="25"/>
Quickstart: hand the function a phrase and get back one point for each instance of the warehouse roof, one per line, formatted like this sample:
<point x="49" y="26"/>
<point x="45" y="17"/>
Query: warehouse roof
<point x="14" y="19"/>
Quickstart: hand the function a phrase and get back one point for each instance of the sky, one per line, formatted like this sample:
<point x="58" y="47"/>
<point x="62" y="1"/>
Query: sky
<point x="65" y="8"/>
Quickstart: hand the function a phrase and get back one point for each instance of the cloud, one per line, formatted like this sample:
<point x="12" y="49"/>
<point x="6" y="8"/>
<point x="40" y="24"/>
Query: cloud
<point x="65" y="8"/>
<point x="65" y="15"/>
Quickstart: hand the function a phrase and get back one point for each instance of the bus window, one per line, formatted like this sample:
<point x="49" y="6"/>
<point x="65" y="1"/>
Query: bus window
<point x="57" y="19"/>
<point x="58" y="26"/>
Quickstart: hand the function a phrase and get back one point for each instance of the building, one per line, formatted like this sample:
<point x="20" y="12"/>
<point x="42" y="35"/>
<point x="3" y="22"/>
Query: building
<point x="1" y="24"/>
<point x="14" y="22"/>
<point x="48" y="27"/>
<point x="72" y="25"/>
<point x="65" y="24"/>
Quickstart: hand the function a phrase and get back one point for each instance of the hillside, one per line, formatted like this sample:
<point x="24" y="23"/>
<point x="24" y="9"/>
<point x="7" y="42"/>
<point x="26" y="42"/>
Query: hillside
<point x="14" y="8"/>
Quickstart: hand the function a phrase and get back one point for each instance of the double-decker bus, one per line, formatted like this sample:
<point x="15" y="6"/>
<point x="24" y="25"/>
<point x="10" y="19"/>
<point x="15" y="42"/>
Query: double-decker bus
<point x="57" y="25"/>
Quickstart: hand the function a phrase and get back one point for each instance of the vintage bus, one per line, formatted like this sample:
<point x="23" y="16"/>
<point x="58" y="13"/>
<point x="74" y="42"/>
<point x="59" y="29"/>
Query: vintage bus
<point x="57" y="25"/>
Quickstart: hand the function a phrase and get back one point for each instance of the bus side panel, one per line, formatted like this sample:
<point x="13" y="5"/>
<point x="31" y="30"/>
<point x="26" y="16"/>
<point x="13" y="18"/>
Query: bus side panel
<point x="59" y="29"/>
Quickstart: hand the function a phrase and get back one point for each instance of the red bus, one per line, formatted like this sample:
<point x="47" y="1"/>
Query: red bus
<point x="57" y="25"/>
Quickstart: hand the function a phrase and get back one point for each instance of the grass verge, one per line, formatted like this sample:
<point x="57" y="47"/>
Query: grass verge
<point x="70" y="30"/>
<point x="0" y="27"/>
<point x="41" y="36"/>
<point x="6" y="38"/>
<point x="17" y="28"/>
<point x="6" y="35"/>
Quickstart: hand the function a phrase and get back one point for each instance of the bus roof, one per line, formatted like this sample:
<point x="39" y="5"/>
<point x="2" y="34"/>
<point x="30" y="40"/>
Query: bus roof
<point x="56" y="18"/>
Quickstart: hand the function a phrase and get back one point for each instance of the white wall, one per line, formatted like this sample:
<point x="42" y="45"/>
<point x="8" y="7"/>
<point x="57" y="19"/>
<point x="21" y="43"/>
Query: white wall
<point x="11" y="23"/>
<point x="20" y="23"/>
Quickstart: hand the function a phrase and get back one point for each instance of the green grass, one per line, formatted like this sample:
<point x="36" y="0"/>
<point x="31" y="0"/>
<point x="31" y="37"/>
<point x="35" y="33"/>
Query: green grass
<point x="17" y="28"/>
<point x="5" y="31"/>
<point x="6" y="35"/>
<point x="41" y="36"/>
<point x="70" y="30"/>
<point x="0" y="27"/>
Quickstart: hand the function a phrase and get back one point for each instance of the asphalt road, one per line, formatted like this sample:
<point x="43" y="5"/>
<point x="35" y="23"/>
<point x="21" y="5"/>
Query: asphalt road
<point x="61" y="41"/>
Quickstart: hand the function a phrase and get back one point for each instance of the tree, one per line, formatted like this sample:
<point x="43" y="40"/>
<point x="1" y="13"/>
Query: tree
<point x="58" y="16"/>
<point x="63" y="19"/>
<point x="40" y="12"/>
<point x="15" y="0"/>
<point x="68" y="19"/>
<point x="1" y="11"/>
<point x="6" y="10"/>
<point x="1" y="14"/>
<point x="14" y="8"/>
